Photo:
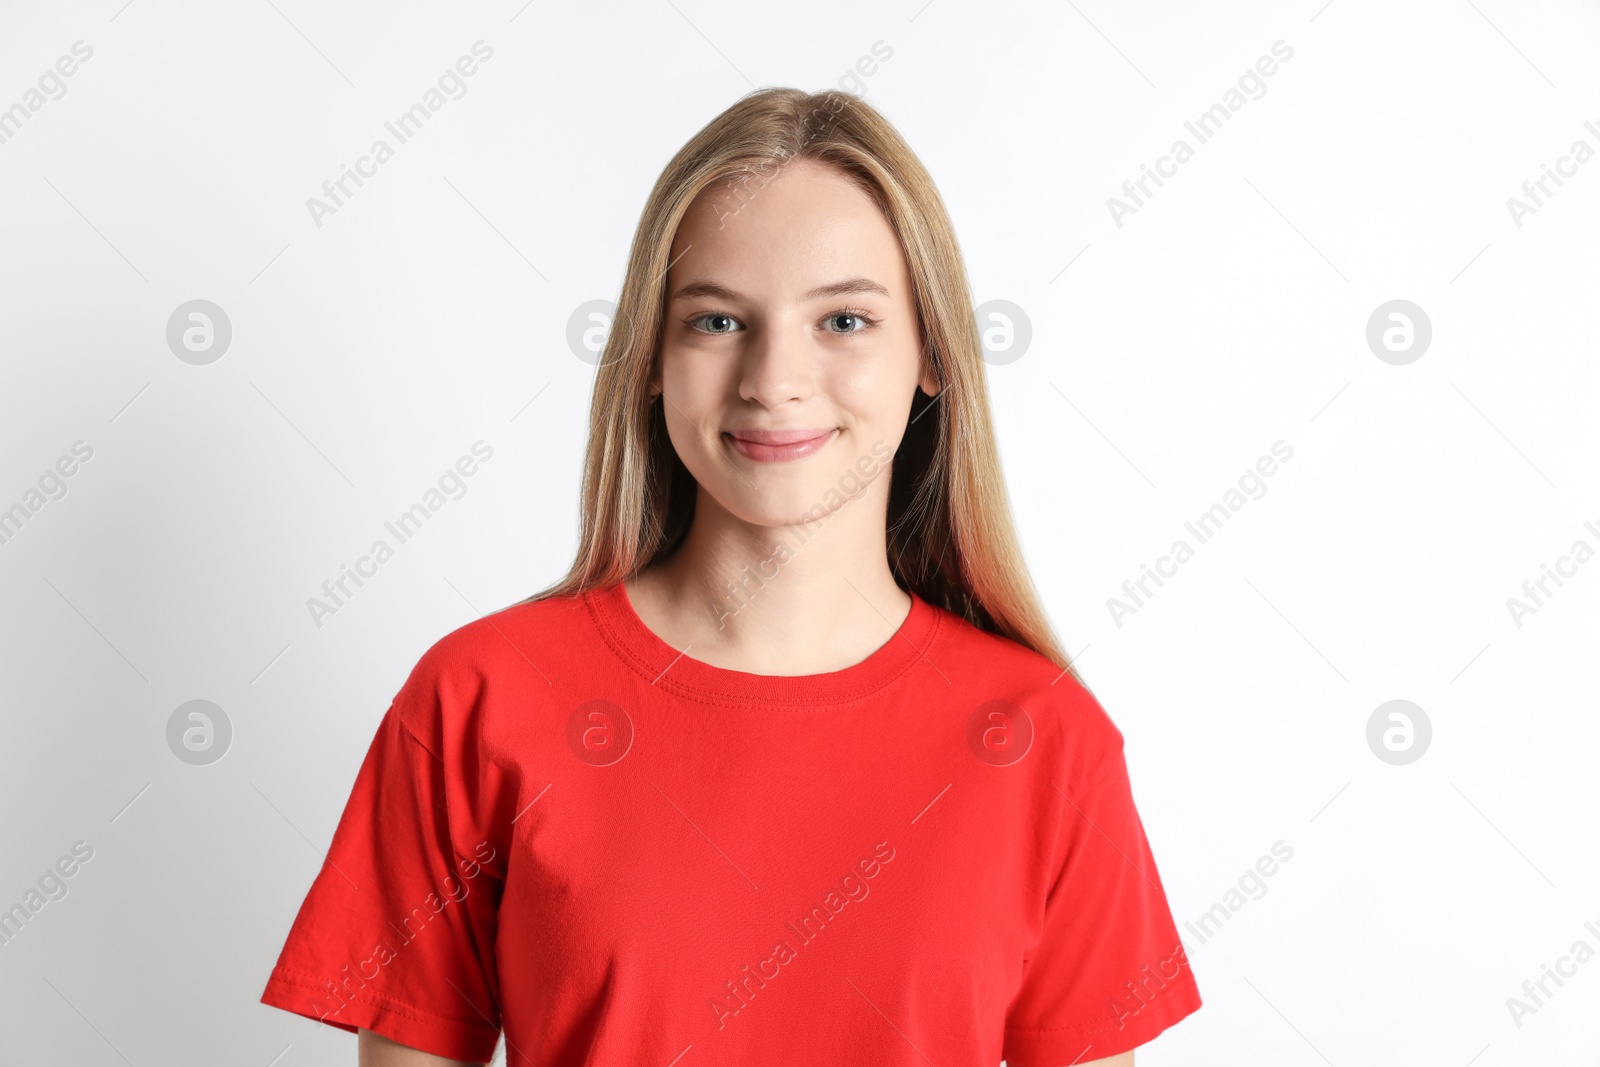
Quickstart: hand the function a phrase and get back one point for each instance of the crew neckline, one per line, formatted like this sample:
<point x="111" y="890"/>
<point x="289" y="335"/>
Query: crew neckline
<point x="669" y="669"/>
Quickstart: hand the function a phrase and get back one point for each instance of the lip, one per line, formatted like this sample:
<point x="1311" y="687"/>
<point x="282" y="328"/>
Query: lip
<point x="778" y="446"/>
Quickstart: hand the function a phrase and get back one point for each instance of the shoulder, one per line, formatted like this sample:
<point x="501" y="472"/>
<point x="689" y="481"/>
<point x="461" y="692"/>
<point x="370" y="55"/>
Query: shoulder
<point x="521" y="633"/>
<point x="1069" y="727"/>
<point x="506" y="656"/>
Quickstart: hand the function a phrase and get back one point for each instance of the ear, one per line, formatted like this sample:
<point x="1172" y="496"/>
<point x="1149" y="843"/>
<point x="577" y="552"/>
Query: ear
<point x="655" y="376"/>
<point x="929" y="383"/>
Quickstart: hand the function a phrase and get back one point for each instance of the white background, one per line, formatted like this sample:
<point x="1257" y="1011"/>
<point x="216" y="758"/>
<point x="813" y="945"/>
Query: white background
<point x="1227" y="314"/>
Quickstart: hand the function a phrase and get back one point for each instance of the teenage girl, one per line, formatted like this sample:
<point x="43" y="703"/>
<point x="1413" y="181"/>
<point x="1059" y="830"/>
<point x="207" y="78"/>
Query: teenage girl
<point x="789" y="768"/>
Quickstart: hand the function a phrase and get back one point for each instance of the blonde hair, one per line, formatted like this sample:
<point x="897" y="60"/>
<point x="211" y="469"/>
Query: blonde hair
<point x="950" y="535"/>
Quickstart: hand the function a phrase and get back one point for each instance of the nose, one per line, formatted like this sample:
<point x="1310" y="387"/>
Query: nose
<point x="780" y="364"/>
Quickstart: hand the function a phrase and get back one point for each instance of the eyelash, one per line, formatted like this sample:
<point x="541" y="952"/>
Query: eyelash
<point x="857" y="313"/>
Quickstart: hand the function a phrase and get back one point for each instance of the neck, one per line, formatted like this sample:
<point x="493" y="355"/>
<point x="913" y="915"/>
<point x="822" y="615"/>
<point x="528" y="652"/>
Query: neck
<point x="793" y="599"/>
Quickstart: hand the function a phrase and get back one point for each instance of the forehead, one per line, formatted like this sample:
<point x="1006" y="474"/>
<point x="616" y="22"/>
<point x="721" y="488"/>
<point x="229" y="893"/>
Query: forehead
<point x="785" y="233"/>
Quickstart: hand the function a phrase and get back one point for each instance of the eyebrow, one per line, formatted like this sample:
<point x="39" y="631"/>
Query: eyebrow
<point x="844" y="288"/>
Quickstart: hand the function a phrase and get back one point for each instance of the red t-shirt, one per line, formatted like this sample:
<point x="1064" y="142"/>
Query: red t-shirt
<point x="567" y="829"/>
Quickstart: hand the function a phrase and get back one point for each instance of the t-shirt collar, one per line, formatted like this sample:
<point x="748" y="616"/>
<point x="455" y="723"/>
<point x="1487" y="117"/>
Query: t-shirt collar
<point x="678" y="672"/>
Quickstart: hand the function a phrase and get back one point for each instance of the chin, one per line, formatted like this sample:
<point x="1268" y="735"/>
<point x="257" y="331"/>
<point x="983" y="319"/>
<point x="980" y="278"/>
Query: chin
<point x="787" y="505"/>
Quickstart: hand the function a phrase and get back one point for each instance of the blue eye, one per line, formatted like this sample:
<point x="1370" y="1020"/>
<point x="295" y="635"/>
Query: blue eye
<point x="859" y="317"/>
<point x="714" y="315"/>
<point x="726" y="324"/>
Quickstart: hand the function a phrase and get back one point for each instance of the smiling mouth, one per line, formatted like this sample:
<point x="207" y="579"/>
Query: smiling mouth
<point x="778" y="446"/>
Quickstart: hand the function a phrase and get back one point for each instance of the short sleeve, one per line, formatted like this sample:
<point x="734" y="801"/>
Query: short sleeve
<point x="397" y="931"/>
<point x="1108" y="972"/>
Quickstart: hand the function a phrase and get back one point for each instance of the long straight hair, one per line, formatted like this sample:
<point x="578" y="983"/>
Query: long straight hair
<point x="949" y="534"/>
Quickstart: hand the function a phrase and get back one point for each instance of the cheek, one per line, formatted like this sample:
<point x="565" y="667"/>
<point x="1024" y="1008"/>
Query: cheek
<point x="695" y="388"/>
<point x="694" y="382"/>
<point x="871" y="389"/>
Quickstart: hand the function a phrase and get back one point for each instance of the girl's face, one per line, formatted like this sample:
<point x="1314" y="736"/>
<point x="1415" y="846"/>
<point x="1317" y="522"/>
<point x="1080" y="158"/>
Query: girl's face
<point x="790" y="346"/>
